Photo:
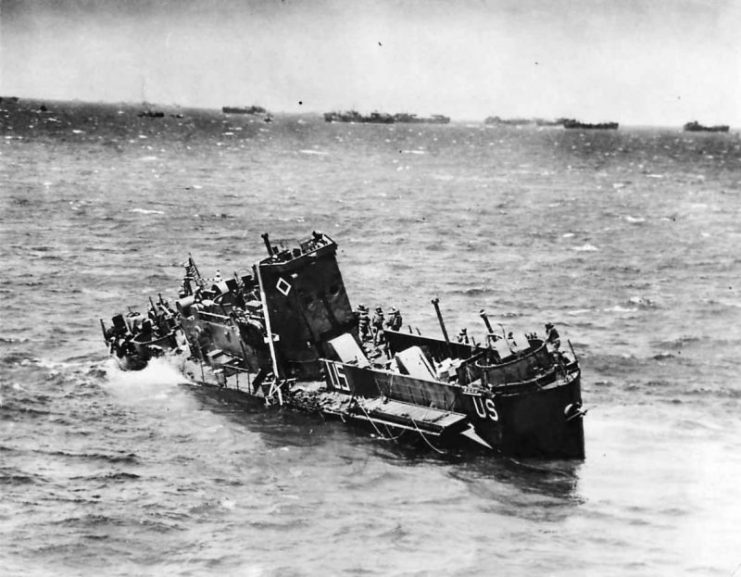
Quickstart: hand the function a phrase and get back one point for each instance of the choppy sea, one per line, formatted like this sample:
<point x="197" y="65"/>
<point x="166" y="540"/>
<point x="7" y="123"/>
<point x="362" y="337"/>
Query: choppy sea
<point x="628" y="240"/>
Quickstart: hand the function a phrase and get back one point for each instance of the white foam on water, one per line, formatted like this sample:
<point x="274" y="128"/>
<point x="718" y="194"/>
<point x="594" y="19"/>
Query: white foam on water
<point x="157" y="380"/>
<point x="585" y="248"/>
<point x="641" y="301"/>
<point x="146" y="211"/>
<point x="620" y="309"/>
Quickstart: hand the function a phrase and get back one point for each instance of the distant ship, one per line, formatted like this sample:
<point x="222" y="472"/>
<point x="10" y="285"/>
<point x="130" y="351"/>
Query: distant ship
<point x="243" y="110"/>
<point x="695" y="126"/>
<point x="151" y="114"/>
<point x="571" y="123"/>
<point x="384" y="118"/>
<point x="349" y="116"/>
<point x="403" y="117"/>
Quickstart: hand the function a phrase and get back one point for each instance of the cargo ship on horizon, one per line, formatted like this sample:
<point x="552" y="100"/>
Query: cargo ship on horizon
<point x="384" y="118"/>
<point x="243" y="110"/>
<point x="576" y="124"/>
<point x="695" y="126"/>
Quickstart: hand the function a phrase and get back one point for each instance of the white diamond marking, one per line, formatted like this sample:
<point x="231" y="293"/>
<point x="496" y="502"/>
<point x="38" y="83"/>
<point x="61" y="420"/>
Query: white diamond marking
<point x="283" y="286"/>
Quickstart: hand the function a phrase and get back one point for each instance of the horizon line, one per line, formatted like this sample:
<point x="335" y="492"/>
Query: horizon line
<point x="146" y="103"/>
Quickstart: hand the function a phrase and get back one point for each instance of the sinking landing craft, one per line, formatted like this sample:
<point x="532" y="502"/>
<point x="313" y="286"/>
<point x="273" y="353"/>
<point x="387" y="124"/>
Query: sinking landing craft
<point x="286" y="333"/>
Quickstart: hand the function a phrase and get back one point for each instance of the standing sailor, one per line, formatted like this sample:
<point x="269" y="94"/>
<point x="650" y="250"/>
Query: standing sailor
<point x="395" y="321"/>
<point x="364" y="329"/>
<point x="552" y="337"/>
<point x="377" y="325"/>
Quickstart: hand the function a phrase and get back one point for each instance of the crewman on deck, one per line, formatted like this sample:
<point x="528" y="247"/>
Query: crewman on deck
<point x="395" y="321"/>
<point x="377" y="325"/>
<point x="185" y="289"/>
<point x="364" y="329"/>
<point x="552" y="337"/>
<point x="217" y="277"/>
<point x="463" y="336"/>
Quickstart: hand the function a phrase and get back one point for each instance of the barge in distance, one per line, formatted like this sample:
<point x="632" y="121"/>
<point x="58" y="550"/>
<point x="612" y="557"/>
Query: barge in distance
<point x="384" y="118"/>
<point x="575" y="124"/>
<point x="695" y="126"/>
<point x="243" y="109"/>
<point x="286" y="333"/>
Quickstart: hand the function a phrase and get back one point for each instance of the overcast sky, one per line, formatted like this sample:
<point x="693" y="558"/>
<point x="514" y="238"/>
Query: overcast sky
<point x="660" y="62"/>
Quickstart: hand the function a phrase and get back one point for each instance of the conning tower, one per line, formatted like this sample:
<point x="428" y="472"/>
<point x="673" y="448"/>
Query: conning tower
<point x="307" y="303"/>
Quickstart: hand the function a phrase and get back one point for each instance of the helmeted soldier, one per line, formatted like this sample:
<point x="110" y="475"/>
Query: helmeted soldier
<point x="377" y="325"/>
<point x="364" y="329"/>
<point x="185" y="289"/>
<point x="394" y="322"/>
<point x="552" y="337"/>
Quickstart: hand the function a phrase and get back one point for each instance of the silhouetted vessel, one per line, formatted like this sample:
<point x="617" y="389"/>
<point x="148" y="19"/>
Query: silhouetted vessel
<point x="384" y="118"/>
<point x="355" y="116"/>
<point x="243" y="110"/>
<point x="151" y="114"/>
<point x="405" y="118"/>
<point x="695" y="126"/>
<point x="571" y="123"/>
<point x="286" y="333"/>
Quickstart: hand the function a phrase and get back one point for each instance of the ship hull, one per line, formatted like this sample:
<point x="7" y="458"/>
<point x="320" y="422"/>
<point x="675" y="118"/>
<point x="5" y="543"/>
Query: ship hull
<point x="547" y="422"/>
<point x="538" y="418"/>
<point x="286" y="333"/>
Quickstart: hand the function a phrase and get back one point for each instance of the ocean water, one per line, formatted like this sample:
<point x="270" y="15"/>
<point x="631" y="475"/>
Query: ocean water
<point x="627" y="240"/>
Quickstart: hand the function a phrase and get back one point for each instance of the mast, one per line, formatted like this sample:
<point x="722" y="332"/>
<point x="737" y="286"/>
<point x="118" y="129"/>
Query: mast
<point x="193" y="272"/>
<point x="266" y="240"/>
<point x="266" y="313"/>
<point x="436" y="304"/>
<point x="485" y="318"/>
